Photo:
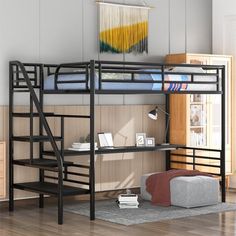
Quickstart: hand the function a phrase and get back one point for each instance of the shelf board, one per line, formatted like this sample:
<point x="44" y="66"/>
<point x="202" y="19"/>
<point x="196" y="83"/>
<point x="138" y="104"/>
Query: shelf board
<point x="36" y="138"/>
<point x="118" y="150"/>
<point x="40" y="163"/>
<point x="49" y="188"/>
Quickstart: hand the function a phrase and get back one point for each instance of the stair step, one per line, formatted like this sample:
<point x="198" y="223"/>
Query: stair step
<point x="50" y="188"/>
<point x="37" y="138"/>
<point x="40" y="163"/>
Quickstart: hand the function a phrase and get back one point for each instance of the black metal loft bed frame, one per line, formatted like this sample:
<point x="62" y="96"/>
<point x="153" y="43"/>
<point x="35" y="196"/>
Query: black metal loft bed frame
<point x="29" y="78"/>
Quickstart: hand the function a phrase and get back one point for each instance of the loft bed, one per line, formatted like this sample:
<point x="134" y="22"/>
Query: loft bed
<point x="101" y="77"/>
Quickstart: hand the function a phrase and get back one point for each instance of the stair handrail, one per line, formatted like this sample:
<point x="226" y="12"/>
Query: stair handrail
<point x="41" y="116"/>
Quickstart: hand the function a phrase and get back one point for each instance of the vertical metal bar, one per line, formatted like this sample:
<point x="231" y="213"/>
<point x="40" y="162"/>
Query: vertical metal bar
<point x="48" y="71"/>
<point x="217" y="79"/>
<point x="168" y="156"/>
<point x="163" y="78"/>
<point x="87" y="77"/>
<point x="62" y="136"/>
<point x="41" y="144"/>
<point x="17" y="76"/>
<point x="92" y="139"/>
<point x="60" y="178"/>
<point x="66" y="173"/>
<point x="60" y="197"/>
<point x="223" y="136"/>
<point x="192" y="78"/>
<point x="100" y="76"/>
<point x="11" y="148"/>
<point x="31" y="130"/>
<point x="132" y="77"/>
<point x="194" y="159"/>
<point x="35" y="76"/>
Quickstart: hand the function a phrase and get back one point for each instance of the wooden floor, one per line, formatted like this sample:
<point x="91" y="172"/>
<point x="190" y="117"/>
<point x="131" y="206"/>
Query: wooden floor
<point x="29" y="220"/>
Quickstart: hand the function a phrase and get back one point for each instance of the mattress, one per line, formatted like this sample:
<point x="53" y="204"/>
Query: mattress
<point x="49" y="83"/>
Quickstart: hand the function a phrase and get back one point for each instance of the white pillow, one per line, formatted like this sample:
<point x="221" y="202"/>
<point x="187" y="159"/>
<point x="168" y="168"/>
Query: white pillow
<point x="188" y="69"/>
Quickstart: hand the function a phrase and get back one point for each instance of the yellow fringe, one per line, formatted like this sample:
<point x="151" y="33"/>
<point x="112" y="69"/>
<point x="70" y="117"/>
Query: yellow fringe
<point x="123" y="38"/>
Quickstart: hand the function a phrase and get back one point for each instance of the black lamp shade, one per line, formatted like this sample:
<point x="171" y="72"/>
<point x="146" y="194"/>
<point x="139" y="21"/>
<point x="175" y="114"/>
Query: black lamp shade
<point x="153" y="114"/>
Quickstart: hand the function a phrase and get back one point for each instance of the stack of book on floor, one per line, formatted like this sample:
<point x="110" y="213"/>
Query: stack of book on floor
<point x="81" y="147"/>
<point x="128" y="201"/>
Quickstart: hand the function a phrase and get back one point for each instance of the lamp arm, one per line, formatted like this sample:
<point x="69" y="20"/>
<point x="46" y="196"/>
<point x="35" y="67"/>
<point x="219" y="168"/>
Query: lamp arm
<point x="163" y="111"/>
<point x="168" y="121"/>
<point x="167" y="128"/>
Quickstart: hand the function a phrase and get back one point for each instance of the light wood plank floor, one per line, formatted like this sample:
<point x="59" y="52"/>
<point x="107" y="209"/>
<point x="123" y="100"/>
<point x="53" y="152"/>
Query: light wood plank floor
<point x="29" y="220"/>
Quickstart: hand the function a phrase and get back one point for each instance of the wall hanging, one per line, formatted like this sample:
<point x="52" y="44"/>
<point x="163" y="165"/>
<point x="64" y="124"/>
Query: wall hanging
<point x="123" y="28"/>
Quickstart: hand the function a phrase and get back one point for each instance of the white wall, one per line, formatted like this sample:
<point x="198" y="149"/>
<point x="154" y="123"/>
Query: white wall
<point x="66" y="30"/>
<point x="224" y="42"/>
<point x="222" y="14"/>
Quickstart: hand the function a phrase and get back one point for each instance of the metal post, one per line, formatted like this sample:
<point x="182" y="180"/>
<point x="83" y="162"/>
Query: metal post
<point x="11" y="149"/>
<point x="223" y="136"/>
<point x="62" y="136"/>
<point x="92" y="139"/>
<point x="99" y="76"/>
<point x="60" y="197"/>
<point x="162" y="78"/>
<point x="41" y="145"/>
<point x="167" y="130"/>
<point x="31" y="131"/>
<point x="194" y="159"/>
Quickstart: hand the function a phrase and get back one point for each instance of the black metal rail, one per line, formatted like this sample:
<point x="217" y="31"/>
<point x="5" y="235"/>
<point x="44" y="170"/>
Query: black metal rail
<point x="19" y="78"/>
<point x="29" y="76"/>
<point x="131" y="69"/>
<point x="192" y="156"/>
<point x="33" y="101"/>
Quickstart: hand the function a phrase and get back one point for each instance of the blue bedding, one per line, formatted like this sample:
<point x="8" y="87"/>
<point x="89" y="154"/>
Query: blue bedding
<point x="49" y="82"/>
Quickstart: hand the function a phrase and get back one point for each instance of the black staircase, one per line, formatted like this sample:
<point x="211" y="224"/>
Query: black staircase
<point x="31" y="81"/>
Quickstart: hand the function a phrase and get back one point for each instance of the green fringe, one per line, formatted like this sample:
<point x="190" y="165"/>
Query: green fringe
<point x="140" y="47"/>
<point x="105" y="47"/>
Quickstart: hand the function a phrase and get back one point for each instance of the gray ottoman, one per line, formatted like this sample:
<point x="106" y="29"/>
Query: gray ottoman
<point x="189" y="191"/>
<point x="194" y="191"/>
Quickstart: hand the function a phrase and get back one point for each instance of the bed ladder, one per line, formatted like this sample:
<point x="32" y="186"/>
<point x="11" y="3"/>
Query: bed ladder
<point x="57" y="165"/>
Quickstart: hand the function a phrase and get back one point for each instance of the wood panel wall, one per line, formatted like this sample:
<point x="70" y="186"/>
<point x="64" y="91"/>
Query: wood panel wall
<point x="113" y="171"/>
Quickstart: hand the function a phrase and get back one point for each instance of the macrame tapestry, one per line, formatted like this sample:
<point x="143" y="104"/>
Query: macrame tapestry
<point x="123" y="29"/>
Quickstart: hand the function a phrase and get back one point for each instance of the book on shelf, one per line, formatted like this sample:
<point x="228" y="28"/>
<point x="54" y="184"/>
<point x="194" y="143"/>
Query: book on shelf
<point x="82" y="147"/>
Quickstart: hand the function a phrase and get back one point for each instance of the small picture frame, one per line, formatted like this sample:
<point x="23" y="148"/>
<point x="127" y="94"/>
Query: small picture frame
<point x="105" y="139"/>
<point x="150" y="142"/>
<point x="140" y="139"/>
